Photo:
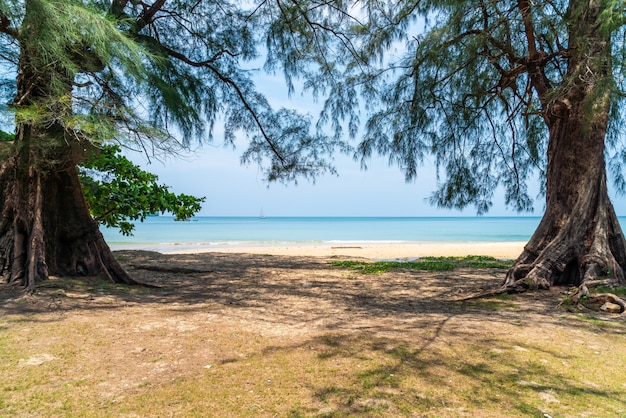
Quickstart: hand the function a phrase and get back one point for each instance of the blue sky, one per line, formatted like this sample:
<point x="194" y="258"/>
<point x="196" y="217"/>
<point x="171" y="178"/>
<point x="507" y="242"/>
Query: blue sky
<point x="234" y="190"/>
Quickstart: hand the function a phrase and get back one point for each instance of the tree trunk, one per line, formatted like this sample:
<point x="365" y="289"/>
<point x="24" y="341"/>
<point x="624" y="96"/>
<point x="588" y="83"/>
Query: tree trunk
<point x="46" y="228"/>
<point x="45" y="225"/>
<point x="579" y="237"/>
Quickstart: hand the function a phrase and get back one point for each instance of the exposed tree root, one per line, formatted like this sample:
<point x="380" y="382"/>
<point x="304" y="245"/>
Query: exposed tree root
<point x="597" y="302"/>
<point x="578" y="243"/>
<point x="481" y="295"/>
<point x="584" y="275"/>
<point x="46" y="228"/>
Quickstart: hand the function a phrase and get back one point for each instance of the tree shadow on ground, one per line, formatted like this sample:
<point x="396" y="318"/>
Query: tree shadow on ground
<point x="290" y="291"/>
<point x="424" y="377"/>
<point x="393" y="344"/>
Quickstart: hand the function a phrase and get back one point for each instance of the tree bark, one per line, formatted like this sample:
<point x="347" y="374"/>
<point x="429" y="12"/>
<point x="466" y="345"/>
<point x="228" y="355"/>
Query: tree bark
<point x="45" y="225"/>
<point x="579" y="237"/>
<point x="46" y="228"/>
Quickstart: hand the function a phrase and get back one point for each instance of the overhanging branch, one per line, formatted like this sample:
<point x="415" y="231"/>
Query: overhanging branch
<point x="229" y="81"/>
<point x="148" y="13"/>
<point x="234" y="85"/>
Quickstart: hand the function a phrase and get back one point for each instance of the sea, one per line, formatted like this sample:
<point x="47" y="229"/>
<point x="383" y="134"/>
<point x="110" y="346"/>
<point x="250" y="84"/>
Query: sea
<point x="164" y="233"/>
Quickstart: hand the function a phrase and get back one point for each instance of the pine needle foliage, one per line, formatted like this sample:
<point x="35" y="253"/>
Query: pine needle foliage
<point x="456" y="80"/>
<point x="159" y="75"/>
<point x="452" y="79"/>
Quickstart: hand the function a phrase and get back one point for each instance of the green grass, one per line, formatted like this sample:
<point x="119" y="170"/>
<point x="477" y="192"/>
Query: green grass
<point x="446" y="362"/>
<point x="564" y="370"/>
<point x="425" y="263"/>
<point x="491" y="305"/>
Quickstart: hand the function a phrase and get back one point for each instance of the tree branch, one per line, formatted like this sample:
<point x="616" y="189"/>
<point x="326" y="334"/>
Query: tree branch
<point x="536" y="58"/>
<point x="5" y="26"/>
<point x="197" y="64"/>
<point x="233" y="84"/>
<point x="146" y="16"/>
<point x="117" y="7"/>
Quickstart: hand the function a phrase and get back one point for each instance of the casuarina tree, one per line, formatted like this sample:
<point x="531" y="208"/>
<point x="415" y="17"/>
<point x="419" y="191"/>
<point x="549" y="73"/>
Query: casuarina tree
<point x="503" y="93"/>
<point x="80" y="73"/>
<point x="500" y="93"/>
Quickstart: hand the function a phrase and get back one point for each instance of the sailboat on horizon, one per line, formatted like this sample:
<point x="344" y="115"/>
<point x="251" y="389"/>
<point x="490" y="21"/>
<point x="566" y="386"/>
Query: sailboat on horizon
<point x="261" y="216"/>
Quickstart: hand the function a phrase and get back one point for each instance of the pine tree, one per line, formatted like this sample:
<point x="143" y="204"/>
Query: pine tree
<point x="500" y="91"/>
<point x="141" y="74"/>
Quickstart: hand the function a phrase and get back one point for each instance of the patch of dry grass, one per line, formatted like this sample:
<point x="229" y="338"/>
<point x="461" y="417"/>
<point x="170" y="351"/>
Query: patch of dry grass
<point x="332" y="375"/>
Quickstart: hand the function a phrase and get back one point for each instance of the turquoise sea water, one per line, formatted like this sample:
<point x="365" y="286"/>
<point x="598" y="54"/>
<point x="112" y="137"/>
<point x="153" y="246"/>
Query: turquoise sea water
<point x="164" y="233"/>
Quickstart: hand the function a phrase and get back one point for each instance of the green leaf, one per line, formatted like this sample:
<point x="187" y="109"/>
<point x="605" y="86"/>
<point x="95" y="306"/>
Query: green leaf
<point x="118" y="191"/>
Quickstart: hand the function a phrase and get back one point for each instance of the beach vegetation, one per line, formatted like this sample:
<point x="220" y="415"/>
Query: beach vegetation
<point x="153" y="77"/>
<point x="425" y="263"/>
<point x="244" y="341"/>
<point x="119" y="192"/>
<point x="619" y="290"/>
<point x="502" y="95"/>
<point x="491" y="304"/>
<point x="358" y="375"/>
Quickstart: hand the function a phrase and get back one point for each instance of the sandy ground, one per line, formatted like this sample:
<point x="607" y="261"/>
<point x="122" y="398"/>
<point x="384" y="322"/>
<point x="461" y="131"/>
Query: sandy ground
<point x="374" y="251"/>
<point x="218" y="318"/>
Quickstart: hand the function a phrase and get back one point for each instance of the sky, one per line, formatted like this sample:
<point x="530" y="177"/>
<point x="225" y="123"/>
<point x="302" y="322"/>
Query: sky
<point x="231" y="189"/>
<point x="234" y="190"/>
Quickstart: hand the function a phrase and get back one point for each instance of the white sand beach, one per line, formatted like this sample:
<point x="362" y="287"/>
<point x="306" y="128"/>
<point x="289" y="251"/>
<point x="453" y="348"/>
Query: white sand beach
<point x="374" y="251"/>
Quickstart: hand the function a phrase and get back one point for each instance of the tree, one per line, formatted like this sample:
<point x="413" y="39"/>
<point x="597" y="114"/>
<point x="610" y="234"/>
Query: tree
<point x="92" y="72"/>
<point x="117" y="191"/>
<point x="497" y="91"/>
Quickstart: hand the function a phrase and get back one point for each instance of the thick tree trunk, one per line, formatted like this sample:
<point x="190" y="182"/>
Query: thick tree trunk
<point x="46" y="228"/>
<point x="579" y="237"/>
<point x="45" y="225"/>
